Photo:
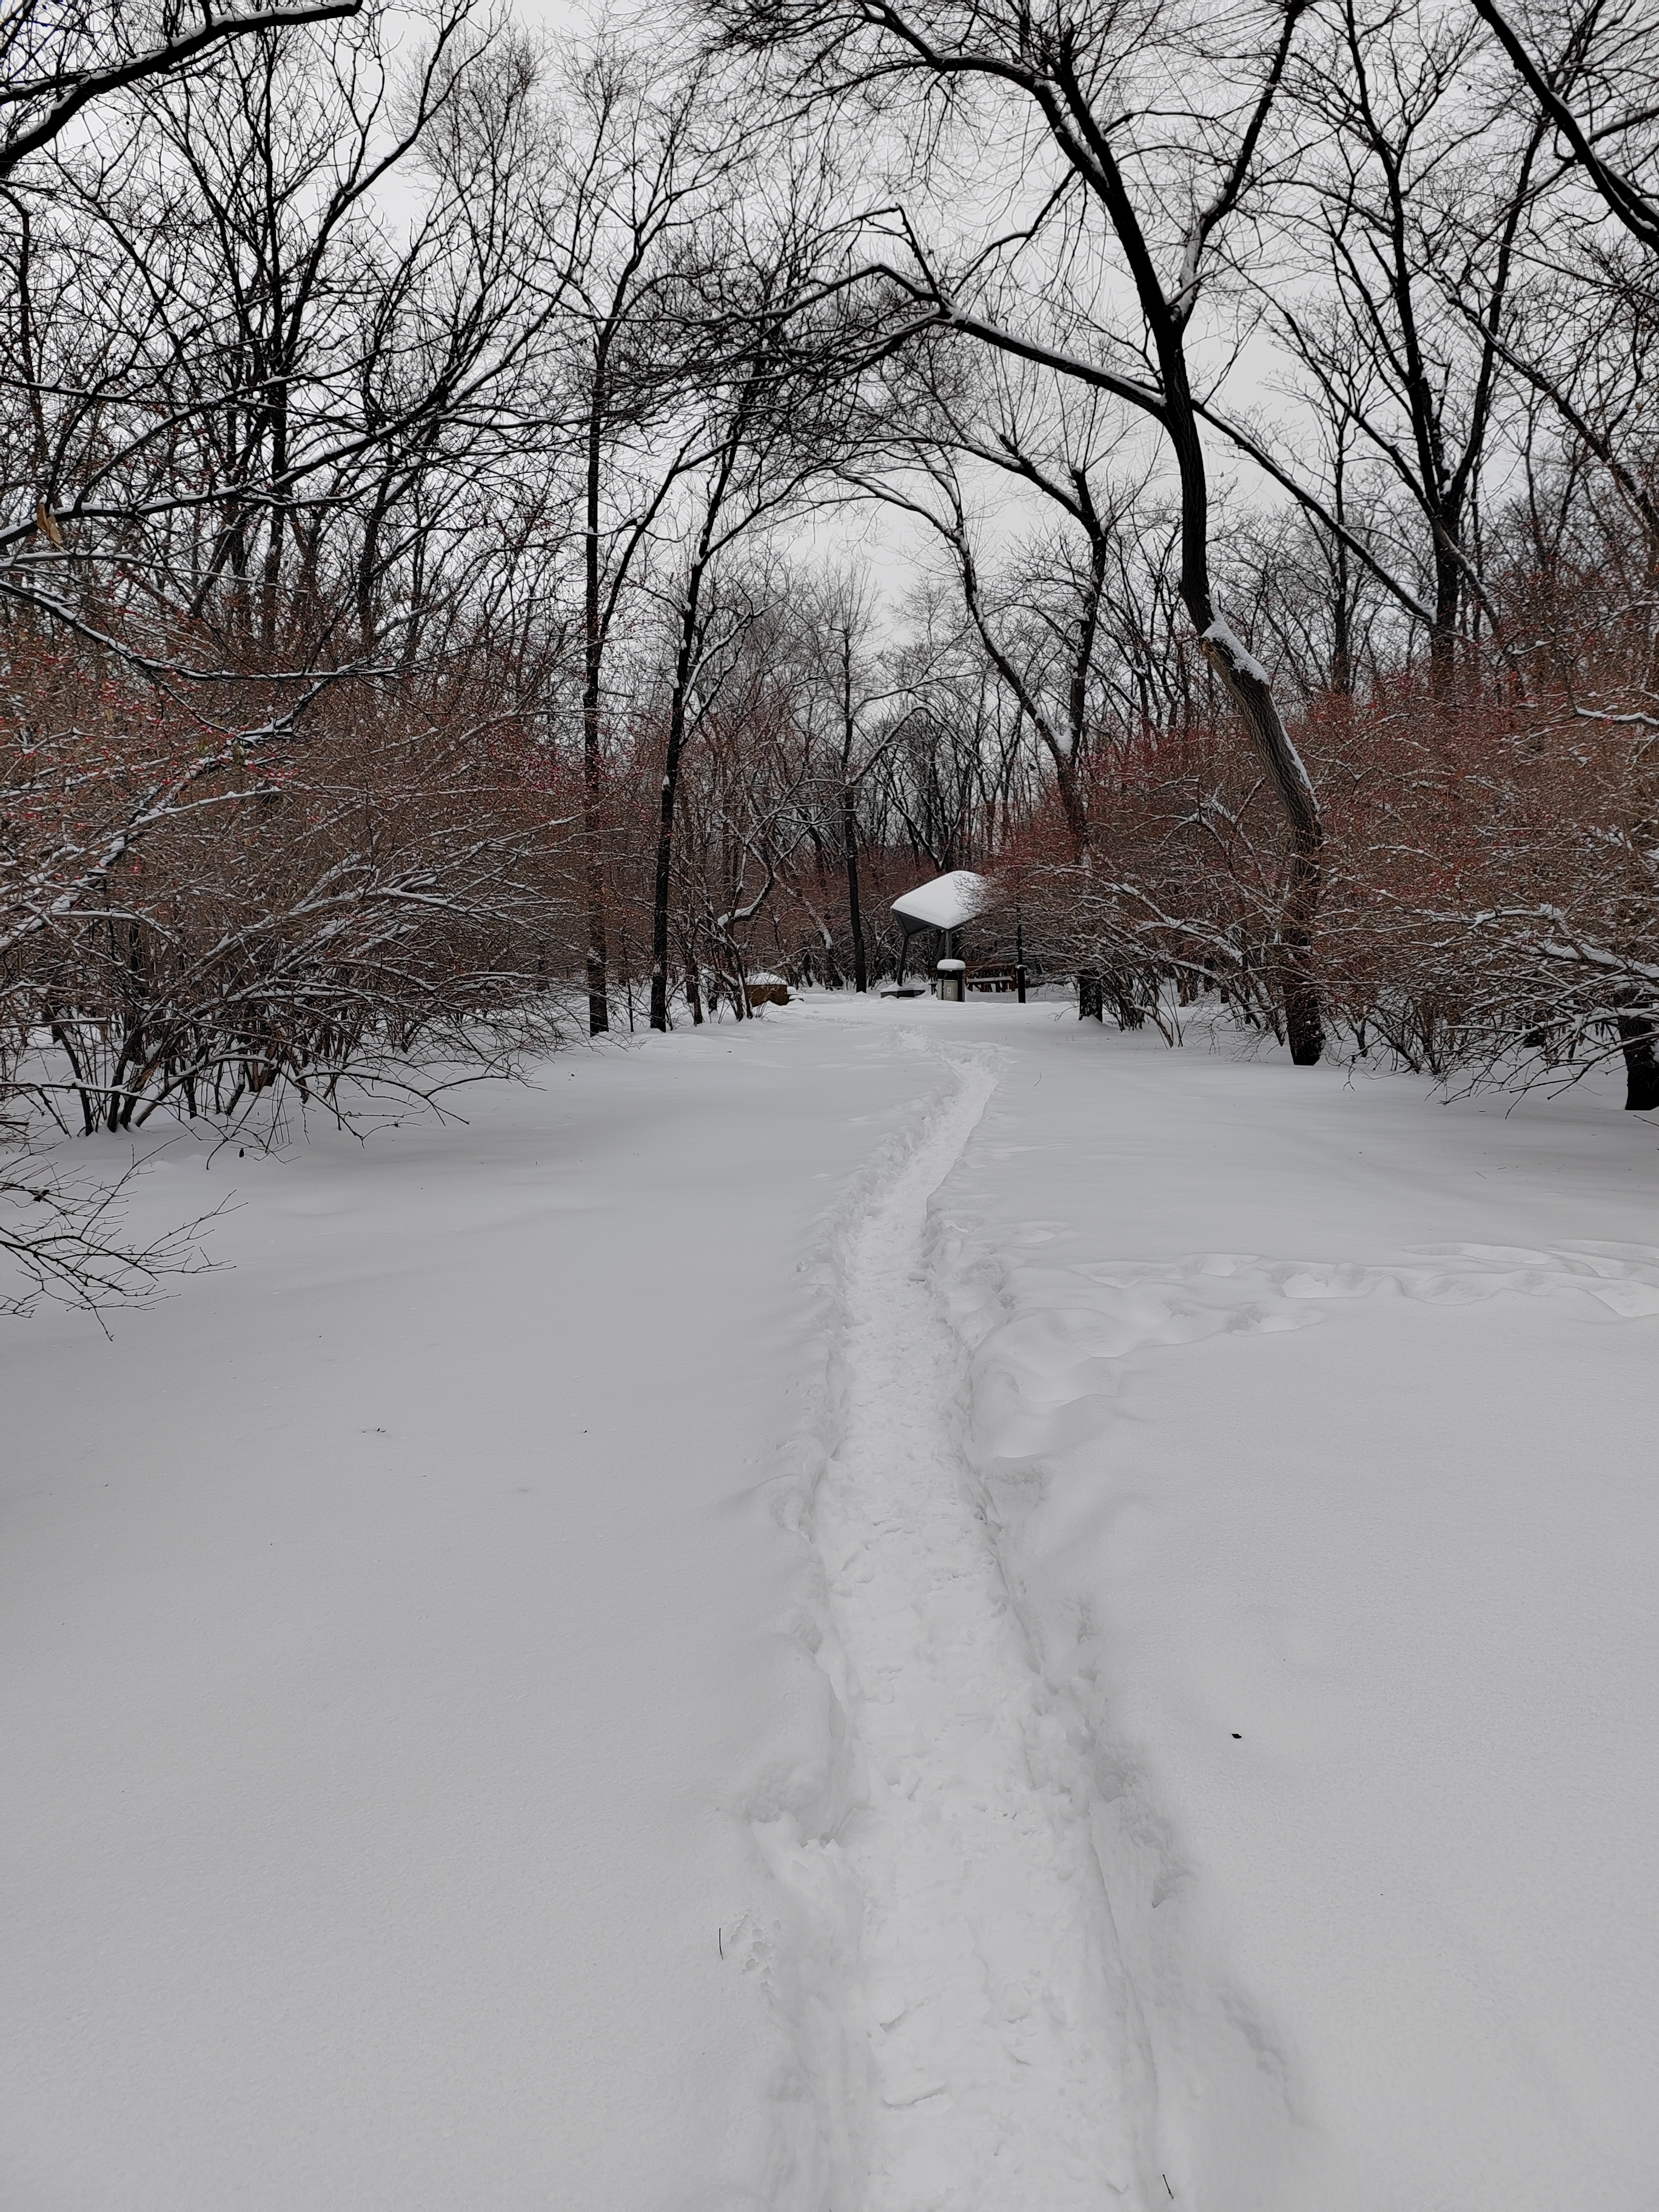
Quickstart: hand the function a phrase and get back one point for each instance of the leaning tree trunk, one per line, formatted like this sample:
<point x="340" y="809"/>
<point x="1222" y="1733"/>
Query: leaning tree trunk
<point x="1245" y="682"/>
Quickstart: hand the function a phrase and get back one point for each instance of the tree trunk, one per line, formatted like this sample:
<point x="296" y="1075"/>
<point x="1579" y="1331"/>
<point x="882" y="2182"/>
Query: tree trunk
<point x="849" y="831"/>
<point x="1245" y="682"/>
<point x="598" y="1005"/>
<point x="1448" y="599"/>
<point x="1303" y="1024"/>
<point x="1246" y="687"/>
<point x="662" y="883"/>
<point x="684" y="663"/>
<point x="1639" y="1037"/>
<point x="1341" y="677"/>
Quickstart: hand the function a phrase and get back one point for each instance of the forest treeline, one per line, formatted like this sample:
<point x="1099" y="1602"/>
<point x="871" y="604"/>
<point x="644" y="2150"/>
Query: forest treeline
<point x="507" y="527"/>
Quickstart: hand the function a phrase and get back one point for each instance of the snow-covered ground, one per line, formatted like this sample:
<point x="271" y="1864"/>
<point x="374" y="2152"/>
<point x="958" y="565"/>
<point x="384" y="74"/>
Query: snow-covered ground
<point x="899" y="1607"/>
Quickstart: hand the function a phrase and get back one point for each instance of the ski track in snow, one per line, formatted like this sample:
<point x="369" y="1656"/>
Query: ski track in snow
<point x="999" y="2056"/>
<point x="1003" y="2066"/>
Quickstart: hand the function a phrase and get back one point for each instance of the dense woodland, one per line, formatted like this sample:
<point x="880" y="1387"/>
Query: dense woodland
<point x="515" y="527"/>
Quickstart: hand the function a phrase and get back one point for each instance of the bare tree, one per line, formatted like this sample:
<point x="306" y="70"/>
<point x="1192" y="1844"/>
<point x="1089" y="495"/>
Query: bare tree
<point x="1412" y="210"/>
<point x="770" y="416"/>
<point x="1595" y="93"/>
<point x="1102" y="93"/>
<point x="657" y="153"/>
<point x="860" y="699"/>
<point x="55" y="61"/>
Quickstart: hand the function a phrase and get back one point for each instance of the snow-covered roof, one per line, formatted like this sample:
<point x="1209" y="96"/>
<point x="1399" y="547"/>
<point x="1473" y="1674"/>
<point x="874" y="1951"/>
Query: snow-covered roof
<point x="944" y="903"/>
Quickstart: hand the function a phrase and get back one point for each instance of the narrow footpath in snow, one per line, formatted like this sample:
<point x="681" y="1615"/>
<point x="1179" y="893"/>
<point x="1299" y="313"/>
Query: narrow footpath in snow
<point x="1003" y="2072"/>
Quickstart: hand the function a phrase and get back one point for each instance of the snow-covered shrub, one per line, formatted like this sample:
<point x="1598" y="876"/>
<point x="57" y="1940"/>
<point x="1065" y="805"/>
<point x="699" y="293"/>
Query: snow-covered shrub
<point x="191" y="925"/>
<point x="1490" y="901"/>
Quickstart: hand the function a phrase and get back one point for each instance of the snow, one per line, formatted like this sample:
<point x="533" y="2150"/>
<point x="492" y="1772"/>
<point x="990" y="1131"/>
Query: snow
<point x="900" y="1604"/>
<point x="389" y="1632"/>
<point x="1222" y="633"/>
<point x="1324" y="1416"/>
<point x="948" y="902"/>
<point x="991" y="2074"/>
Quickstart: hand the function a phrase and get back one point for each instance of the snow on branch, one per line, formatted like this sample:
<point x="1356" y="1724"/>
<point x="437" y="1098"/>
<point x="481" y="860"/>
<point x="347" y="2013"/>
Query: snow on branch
<point x="1222" y="635"/>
